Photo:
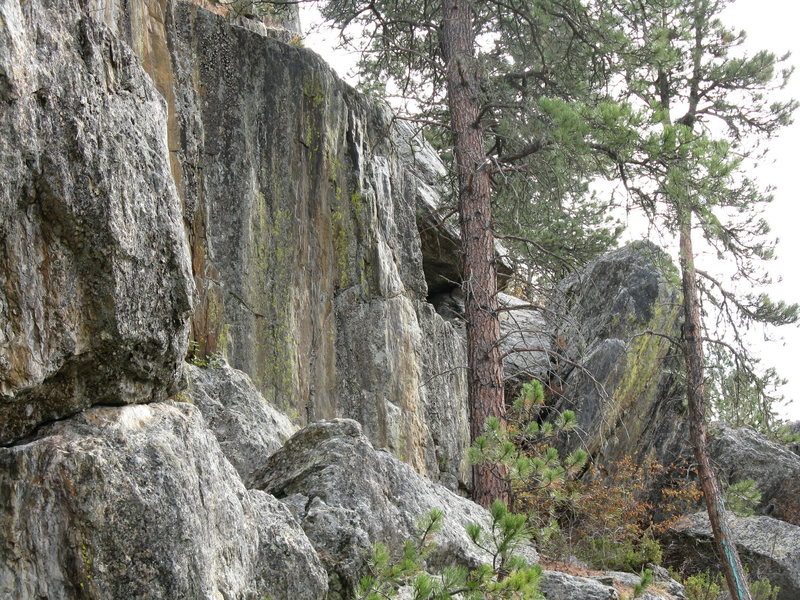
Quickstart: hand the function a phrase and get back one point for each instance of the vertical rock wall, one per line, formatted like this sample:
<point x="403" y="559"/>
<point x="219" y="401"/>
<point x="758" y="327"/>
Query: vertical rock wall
<point x="301" y="203"/>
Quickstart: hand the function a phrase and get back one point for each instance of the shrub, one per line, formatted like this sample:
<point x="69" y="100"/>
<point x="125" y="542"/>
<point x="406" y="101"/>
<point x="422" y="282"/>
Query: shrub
<point x="606" y="519"/>
<point x="507" y="577"/>
<point x="619" y="553"/>
<point x="645" y="582"/>
<point x="742" y="497"/>
<point x="708" y="585"/>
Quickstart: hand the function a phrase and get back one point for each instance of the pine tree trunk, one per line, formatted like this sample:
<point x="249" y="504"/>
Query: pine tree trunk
<point x="698" y="431"/>
<point x="484" y="365"/>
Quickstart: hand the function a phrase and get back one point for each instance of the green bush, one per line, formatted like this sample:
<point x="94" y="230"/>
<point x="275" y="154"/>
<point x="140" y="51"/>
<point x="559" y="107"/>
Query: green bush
<point x="507" y="577"/>
<point x="645" y="582"/>
<point x="708" y="585"/>
<point x="703" y="586"/>
<point x="620" y="554"/>
<point x="742" y="497"/>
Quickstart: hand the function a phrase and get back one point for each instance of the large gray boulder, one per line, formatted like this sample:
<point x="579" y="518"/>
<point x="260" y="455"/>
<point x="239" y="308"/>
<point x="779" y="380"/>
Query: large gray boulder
<point x="769" y="549"/>
<point x="526" y="341"/>
<point x="247" y="428"/>
<point x="556" y="585"/>
<point x="740" y="454"/>
<point x="619" y="375"/>
<point x="95" y="283"/>
<point x="347" y="496"/>
<point x="140" y="502"/>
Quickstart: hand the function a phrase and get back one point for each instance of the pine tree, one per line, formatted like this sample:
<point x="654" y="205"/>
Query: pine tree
<point x="476" y="71"/>
<point x="688" y="115"/>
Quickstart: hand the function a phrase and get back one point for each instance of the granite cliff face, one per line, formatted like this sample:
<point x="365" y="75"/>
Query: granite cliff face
<point x="178" y="182"/>
<point x="299" y="199"/>
<point x="95" y="287"/>
<point x="171" y="174"/>
<point x="301" y="202"/>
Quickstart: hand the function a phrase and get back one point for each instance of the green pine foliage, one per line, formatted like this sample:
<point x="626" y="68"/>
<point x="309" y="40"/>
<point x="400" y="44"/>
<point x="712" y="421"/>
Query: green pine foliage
<point x="708" y="585"/>
<point x="506" y="576"/>
<point x="742" y="497"/>
<point x="520" y="452"/>
<point x="645" y="582"/>
<point x="526" y="52"/>
<point x="741" y="396"/>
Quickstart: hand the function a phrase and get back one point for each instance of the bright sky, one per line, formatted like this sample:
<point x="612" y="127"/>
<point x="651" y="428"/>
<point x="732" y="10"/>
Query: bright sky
<point x="770" y="25"/>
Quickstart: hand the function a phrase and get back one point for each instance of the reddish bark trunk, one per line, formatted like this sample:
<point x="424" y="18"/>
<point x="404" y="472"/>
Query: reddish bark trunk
<point x="484" y="365"/>
<point x="695" y="384"/>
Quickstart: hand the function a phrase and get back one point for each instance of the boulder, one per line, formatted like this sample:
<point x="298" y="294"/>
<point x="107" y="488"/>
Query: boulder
<point x="140" y="502"/>
<point x="618" y="373"/>
<point x="347" y="496"/>
<point x="247" y="428"/>
<point x="769" y="549"/>
<point x="288" y="567"/>
<point x="744" y="453"/>
<point x="526" y="341"/>
<point x="95" y="280"/>
<point x="663" y="587"/>
<point x="556" y="585"/>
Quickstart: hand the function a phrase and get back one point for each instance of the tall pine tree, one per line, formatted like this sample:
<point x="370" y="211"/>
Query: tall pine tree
<point x="478" y="70"/>
<point x="688" y="113"/>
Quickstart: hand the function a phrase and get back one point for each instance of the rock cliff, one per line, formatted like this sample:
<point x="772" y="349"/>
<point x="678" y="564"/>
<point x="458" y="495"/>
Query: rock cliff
<point x="177" y="181"/>
<point x="95" y="287"/>
<point x="301" y="202"/>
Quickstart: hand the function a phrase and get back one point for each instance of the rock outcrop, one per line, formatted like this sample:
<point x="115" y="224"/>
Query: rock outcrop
<point x="347" y="496"/>
<point x="302" y="201"/>
<point x="740" y="454"/>
<point x="247" y="428"/>
<point x="170" y="170"/>
<point x="561" y="586"/>
<point x="140" y="502"/>
<point x="769" y="549"/>
<point x="619" y="375"/>
<point x="95" y="283"/>
<point x="526" y="342"/>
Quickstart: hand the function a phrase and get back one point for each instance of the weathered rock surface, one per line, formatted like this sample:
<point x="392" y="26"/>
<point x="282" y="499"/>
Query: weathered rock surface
<point x="663" y="587"/>
<point x="347" y="496"/>
<point x="302" y="199"/>
<point x="561" y="586"/>
<point x="526" y="340"/>
<point x="626" y="396"/>
<point x="769" y="549"/>
<point x="743" y="453"/>
<point x="247" y="428"/>
<point x="95" y="284"/>
<point x="287" y="564"/>
<point x="139" y="502"/>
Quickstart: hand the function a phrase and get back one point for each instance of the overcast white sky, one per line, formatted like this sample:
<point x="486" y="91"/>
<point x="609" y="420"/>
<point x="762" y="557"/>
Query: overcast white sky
<point x="770" y="25"/>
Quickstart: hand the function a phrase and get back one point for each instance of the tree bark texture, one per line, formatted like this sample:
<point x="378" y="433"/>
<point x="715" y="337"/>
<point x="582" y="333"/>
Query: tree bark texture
<point x="484" y="365"/>
<point x="695" y="383"/>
